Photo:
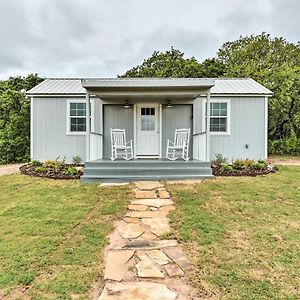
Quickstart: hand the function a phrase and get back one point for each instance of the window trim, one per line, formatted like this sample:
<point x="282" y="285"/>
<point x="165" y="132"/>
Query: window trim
<point x="69" y="101"/>
<point x="219" y="100"/>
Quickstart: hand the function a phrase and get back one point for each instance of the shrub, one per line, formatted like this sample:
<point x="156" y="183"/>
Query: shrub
<point x="259" y="165"/>
<point x="239" y="164"/>
<point x="49" y="164"/>
<point x="77" y="160"/>
<point x="226" y="167"/>
<point x="248" y="163"/>
<point x="35" y="163"/>
<point x="55" y="165"/>
<point x="40" y="169"/>
<point x="220" y="159"/>
<point x="263" y="162"/>
<point x="71" y="171"/>
<point x="287" y="146"/>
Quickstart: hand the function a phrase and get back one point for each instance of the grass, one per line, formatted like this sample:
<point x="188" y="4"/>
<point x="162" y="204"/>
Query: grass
<point x="242" y="235"/>
<point x="52" y="234"/>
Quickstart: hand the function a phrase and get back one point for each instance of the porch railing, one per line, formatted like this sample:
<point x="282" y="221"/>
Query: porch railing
<point x="199" y="146"/>
<point x="96" y="145"/>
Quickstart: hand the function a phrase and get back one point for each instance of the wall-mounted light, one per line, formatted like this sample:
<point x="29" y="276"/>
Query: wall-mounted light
<point x="126" y="104"/>
<point x="169" y="104"/>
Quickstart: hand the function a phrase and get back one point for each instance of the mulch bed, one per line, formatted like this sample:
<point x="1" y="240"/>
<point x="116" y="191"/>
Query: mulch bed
<point x="217" y="171"/>
<point x="29" y="169"/>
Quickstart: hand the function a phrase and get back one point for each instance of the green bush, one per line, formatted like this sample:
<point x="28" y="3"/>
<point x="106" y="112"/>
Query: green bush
<point x="71" y="171"/>
<point x="287" y="146"/>
<point x="55" y="165"/>
<point x="40" y="169"/>
<point x="226" y="167"/>
<point x="259" y="165"/>
<point x="35" y="163"/>
<point x="239" y="164"/>
<point x="77" y="160"/>
<point x="263" y="162"/>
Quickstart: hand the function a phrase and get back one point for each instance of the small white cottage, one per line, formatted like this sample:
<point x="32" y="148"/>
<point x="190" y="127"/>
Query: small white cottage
<point x="147" y="112"/>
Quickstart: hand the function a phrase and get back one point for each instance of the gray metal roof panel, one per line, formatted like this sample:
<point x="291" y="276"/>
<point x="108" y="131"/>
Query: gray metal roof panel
<point x="71" y="86"/>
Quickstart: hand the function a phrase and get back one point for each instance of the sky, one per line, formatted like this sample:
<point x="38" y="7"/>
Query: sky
<point x="105" y="38"/>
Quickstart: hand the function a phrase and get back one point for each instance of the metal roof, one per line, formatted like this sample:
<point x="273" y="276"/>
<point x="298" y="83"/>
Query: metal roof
<point x="222" y="86"/>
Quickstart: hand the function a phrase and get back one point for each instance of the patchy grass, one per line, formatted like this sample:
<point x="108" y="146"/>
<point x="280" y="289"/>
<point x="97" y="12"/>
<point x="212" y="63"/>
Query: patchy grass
<point x="52" y="234"/>
<point x="242" y="235"/>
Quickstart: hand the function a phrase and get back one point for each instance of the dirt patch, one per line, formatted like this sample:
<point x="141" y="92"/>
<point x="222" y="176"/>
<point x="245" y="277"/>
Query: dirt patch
<point x="30" y="170"/>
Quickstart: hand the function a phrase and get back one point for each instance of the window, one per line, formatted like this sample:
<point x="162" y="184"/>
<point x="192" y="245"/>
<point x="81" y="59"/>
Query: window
<point x="76" y="123"/>
<point x="147" y="118"/>
<point x="219" y="116"/>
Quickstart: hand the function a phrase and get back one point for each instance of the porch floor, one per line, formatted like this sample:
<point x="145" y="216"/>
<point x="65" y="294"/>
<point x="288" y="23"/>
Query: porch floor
<point x="106" y="170"/>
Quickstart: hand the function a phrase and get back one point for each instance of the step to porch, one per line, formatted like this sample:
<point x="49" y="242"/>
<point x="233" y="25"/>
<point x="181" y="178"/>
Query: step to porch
<point x="137" y="170"/>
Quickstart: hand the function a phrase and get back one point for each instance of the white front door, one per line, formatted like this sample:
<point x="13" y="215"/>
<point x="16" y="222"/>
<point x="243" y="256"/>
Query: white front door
<point x="147" y="130"/>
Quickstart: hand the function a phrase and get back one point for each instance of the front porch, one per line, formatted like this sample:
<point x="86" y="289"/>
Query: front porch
<point x="106" y="170"/>
<point x="150" y="110"/>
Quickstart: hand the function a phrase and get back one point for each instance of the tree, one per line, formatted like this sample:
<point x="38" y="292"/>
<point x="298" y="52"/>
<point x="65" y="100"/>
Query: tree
<point x="275" y="63"/>
<point x="15" y="118"/>
<point x="173" y="64"/>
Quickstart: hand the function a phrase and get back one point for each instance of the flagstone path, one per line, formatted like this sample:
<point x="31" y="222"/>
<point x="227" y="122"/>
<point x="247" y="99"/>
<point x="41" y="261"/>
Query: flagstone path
<point x="139" y="263"/>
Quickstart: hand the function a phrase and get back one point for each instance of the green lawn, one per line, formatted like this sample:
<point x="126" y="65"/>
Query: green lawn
<point x="242" y="235"/>
<point x="52" y="234"/>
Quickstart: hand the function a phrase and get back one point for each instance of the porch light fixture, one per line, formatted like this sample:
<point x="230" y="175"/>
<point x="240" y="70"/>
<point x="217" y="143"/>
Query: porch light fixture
<point x="126" y="104"/>
<point x="169" y="104"/>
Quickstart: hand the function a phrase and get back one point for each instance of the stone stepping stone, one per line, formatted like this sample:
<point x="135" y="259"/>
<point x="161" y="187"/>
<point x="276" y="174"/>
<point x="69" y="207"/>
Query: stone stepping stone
<point x="158" y="256"/>
<point x="149" y="245"/>
<point x="116" y="267"/>
<point x="137" y="207"/>
<point x="153" y="202"/>
<point x="130" y="230"/>
<point x="132" y="220"/>
<point x="147" y="214"/>
<point x="148" y="185"/>
<point x="137" y="291"/>
<point x="178" y="256"/>
<point x="173" y="270"/>
<point x="145" y="194"/>
<point x="158" y="226"/>
<point x="163" y="194"/>
<point x="146" y="268"/>
<point x="148" y="236"/>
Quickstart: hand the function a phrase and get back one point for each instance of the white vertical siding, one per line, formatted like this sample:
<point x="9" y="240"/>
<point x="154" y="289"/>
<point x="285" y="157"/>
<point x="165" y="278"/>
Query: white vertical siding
<point x="247" y="127"/>
<point x="50" y="139"/>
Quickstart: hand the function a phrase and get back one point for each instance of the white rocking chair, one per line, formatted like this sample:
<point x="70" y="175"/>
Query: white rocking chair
<point x="118" y="143"/>
<point x="180" y="144"/>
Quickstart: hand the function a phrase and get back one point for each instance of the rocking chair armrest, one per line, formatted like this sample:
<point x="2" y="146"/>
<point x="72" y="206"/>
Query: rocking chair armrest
<point x="170" y="142"/>
<point x="129" y="142"/>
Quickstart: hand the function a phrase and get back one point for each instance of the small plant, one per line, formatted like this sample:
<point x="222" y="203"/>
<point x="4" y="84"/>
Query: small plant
<point x="71" y="171"/>
<point x="49" y="164"/>
<point x="35" y="163"/>
<point x="264" y="162"/>
<point x="226" y="167"/>
<point x="239" y="164"/>
<point x="248" y="163"/>
<point x="40" y="169"/>
<point x="220" y="159"/>
<point x="258" y="165"/>
<point x="77" y="160"/>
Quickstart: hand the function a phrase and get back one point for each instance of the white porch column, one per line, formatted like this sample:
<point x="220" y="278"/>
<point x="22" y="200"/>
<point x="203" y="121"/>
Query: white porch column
<point x="88" y="127"/>
<point x="208" y="126"/>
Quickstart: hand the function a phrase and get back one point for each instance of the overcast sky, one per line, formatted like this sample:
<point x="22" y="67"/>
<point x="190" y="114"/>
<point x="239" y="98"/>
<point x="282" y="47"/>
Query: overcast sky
<point x="104" y="38"/>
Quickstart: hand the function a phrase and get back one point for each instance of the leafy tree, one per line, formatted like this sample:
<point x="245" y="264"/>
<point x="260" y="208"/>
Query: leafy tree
<point x="173" y="64"/>
<point x="275" y="63"/>
<point x="15" y="118"/>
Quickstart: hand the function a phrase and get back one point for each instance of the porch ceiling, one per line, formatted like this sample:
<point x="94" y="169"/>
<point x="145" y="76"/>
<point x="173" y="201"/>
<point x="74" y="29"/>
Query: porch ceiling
<point x="160" y="89"/>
